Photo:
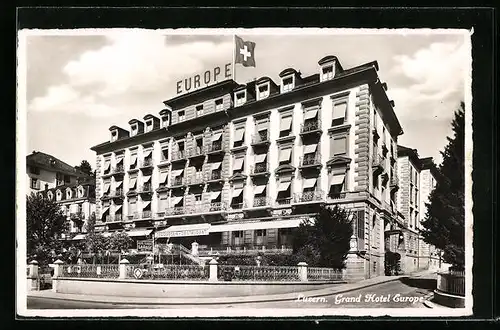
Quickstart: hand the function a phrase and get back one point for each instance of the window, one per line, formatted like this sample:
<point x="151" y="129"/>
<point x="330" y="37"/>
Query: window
<point x="199" y="144"/>
<point x="133" y="159"/>
<point x="34" y="170"/>
<point x="59" y="179"/>
<point x="149" y="125"/>
<point x="287" y="84"/>
<point x="35" y="183"/>
<point x="238" y="164"/>
<point x="327" y="73"/>
<point x="263" y="91"/>
<point x="199" y="110"/>
<point x="337" y="182"/>
<point x="240" y="98"/>
<point x="284" y="190"/>
<point x="182" y="115"/>
<point x="239" y="136"/>
<point x="114" y="135"/>
<point x="67" y="179"/>
<point x="219" y="104"/>
<point x="134" y="129"/>
<point x="164" y="153"/>
<point x="238" y="234"/>
<point x="197" y="198"/>
<point x="132" y="206"/>
<point x="360" y="224"/>
<point x="286" y="125"/>
<point x="165" y="120"/>
<point x="339" y="112"/>
<point x="285" y="155"/>
<point x="260" y="232"/>
<point x="339" y="145"/>
<point x="132" y="183"/>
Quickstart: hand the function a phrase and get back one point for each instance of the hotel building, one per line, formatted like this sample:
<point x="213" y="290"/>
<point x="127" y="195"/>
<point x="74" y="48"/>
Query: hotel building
<point x="234" y="167"/>
<point x="72" y="189"/>
<point x="417" y="180"/>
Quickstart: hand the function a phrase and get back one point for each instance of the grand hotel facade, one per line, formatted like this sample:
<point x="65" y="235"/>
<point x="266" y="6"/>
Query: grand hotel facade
<point x="237" y="166"/>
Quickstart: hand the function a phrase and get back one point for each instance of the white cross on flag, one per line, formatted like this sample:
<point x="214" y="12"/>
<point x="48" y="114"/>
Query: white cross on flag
<point x="244" y="52"/>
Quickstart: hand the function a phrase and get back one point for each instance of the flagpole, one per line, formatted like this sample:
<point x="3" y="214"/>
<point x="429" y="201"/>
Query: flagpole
<point x="234" y="58"/>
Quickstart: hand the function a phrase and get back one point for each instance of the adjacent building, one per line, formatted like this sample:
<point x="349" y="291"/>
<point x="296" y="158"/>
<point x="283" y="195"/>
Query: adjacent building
<point x="72" y="189"/>
<point x="417" y="180"/>
<point x="235" y="167"/>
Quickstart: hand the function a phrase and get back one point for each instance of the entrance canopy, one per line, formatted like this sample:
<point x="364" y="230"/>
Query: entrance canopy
<point x="199" y="229"/>
<point x="139" y="232"/>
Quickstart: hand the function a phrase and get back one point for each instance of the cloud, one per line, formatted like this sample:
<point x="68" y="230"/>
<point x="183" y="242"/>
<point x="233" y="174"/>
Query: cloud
<point x="132" y="63"/>
<point x="436" y="76"/>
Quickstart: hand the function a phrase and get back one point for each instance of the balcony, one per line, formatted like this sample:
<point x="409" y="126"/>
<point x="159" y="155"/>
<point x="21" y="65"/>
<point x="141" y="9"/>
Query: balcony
<point x="261" y="139"/>
<point x="310" y="161"/>
<point x="196" y="179"/>
<point x="133" y="216"/>
<point x="310" y="127"/>
<point x="236" y="206"/>
<point x="309" y="197"/>
<point x="178" y="181"/>
<point x="377" y="164"/>
<point x="215" y="147"/>
<point x="118" y="169"/>
<point x="394" y="183"/>
<point x="260" y="169"/>
<point x="284" y="201"/>
<point x="337" y="195"/>
<point x="196" y="152"/>
<point x="178" y="156"/>
<point x="146" y="215"/>
<point x="114" y="218"/>
<point x="258" y="202"/>
<point x="146" y="188"/>
<point x="215" y="176"/>
<point x="117" y="193"/>
<point x="173" y="211"/>
<point x="146" y="163"/>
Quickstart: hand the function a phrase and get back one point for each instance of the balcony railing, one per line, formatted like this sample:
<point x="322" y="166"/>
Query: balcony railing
<point x="197" y="178"/>
<point x="260" y="137"/>
<point x="377" y="164"/>
<point x="308" y="196"/>
<point x="133" y="216"/>
<point x="114" y="218"/>
<point x="118" y="169"/>
<point x="148" y="162"/>
<point x="178" y="155"/>
<point x="215" y="175"/>
<point x="197" y="151"/>
<point x="337" y="195"/>
<point x="117" y="193"/>
<point x="214" y="146"/>
<point x="197" y="209"/>
<point x="310" y="159"/>
<point x="259" y="168"/>
<point x="244" y="250"/>
<point x="178" y="210"/>
<point x="146" y="215"/>
<point x="258" y="201"/>
<point x="178" y="181"/>
<point x="310" y="126"/>
<point x="146" y="188"/>
<point x="284" y="201"/>
<point x="237" y="206"/>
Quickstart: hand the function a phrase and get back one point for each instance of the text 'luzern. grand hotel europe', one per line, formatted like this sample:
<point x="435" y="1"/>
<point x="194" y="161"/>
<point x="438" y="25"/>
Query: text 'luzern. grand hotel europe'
<point x="240" y="165"/>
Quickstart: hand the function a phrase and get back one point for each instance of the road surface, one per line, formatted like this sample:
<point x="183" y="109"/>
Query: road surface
<point x="407" y="292"/>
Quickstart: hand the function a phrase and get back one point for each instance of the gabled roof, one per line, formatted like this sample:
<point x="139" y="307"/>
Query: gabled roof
<point x="49" y="162"/>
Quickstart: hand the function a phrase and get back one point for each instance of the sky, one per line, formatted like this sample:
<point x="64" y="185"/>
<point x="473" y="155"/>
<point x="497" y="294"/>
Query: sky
<point x="77" y="86"/>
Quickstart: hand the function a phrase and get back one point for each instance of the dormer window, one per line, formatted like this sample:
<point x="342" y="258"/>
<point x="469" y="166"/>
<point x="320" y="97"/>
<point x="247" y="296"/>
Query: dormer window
<point x="263" y="91"/>
<point x="219" y="104"/>
<point x="327" y="73"/>
<point x="287" y="84"/>
<point x="199" y="110"/>
<point x="149" y="125"/>
<point x="165" y="120"/>
<point x="240" y="98"/>
<point x="134" y="129"/>
<point x="114" y="136"/>
<point x="182" y="115"/>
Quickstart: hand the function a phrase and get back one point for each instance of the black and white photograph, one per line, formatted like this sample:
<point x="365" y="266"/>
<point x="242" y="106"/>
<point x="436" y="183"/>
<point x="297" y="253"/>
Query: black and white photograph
<point x="244" y="172"/>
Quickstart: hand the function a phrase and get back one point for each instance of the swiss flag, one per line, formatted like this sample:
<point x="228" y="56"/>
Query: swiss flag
<point x="244" y="52"/>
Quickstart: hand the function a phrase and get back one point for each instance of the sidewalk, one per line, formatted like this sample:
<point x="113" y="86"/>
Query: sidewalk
<point x="336" y="289"/>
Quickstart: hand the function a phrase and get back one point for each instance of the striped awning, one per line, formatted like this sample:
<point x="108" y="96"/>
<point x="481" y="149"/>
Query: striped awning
<point x="291" y="223"/>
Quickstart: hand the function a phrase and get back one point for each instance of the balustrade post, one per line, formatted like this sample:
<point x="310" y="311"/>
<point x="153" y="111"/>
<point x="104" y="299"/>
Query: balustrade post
<point x="58" y="272"/>
<point x="33" y="284"/>
<point x="123" y="268"/>
<point x="213" y="270"/>
<point x="302" y="271"/>
<point x="194" y="249"/>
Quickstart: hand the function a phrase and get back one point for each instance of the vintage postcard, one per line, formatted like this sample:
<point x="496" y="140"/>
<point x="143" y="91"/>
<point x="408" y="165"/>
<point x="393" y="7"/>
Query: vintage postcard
<point x="244" y="173"/>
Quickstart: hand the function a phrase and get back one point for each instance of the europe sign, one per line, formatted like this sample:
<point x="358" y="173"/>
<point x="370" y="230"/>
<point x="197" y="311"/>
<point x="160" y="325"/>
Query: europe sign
<point x="209" y="77"/>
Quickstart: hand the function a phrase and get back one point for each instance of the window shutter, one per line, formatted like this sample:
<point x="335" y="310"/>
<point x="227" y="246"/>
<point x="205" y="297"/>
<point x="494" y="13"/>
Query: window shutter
<point x="339" y="145"/>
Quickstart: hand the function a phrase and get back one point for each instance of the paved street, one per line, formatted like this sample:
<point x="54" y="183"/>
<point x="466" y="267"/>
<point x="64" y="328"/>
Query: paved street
<point x="407" y="292"/>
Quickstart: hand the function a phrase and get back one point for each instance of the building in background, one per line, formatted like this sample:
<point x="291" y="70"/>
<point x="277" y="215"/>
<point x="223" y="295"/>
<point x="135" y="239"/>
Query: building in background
<point x="417" y="180"/>
<point x="235" y="167"/>
<point x="72" y="189"/>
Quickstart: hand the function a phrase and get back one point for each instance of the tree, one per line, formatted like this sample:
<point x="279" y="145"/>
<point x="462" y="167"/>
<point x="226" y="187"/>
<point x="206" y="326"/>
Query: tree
<point x="45" y="223"/>
<point x="85" y="167"/>
<point x="95" y="243"/>
<point x="119" y="241"/>
<point x="324" y="241"/>
<point x="444" y="225"/>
